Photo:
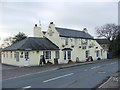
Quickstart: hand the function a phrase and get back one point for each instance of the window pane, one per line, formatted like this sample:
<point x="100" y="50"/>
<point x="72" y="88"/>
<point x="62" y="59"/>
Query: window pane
<point x="69" y="54"/>
<point x="64" y="52"/>
<point x="11" y="54"/>
<point x="87" y="54"/>
<point x="47" y="54"/>
<point x="17" y="56"/>
<point x="57" y="54"/>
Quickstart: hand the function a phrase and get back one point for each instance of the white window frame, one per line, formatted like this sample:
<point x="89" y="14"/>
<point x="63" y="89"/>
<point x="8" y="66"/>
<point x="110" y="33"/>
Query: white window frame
<point x="98" y="53"/>
<point x="87" y="53"/>
<point x="66" y="54"/>
<point x="49" y="54"/>
<point x="14" y="54"/>
<point x="57" y="54"/>
<point x="17" y="56"/>
<point x="6" y="54"/>
<point x="11" y="54"/>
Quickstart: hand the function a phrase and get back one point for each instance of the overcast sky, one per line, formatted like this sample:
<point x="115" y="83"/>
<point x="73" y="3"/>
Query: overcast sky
<point x="21" y="16"/>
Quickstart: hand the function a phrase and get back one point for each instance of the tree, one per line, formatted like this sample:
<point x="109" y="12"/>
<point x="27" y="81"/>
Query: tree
<point x="108" y="31"/>
<point x="20" y="36"/>
<point x="7" y="42"/>
<point x="10" y="40"/>
<point x="115" y="47"/>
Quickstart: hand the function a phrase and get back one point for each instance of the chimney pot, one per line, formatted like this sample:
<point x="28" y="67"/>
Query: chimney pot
<point x="85" y="30"/>
<point x="35" y="25"/>
<point x="51" y="22"/>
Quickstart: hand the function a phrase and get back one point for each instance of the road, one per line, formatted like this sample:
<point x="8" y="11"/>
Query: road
<point x="84" y="76"/>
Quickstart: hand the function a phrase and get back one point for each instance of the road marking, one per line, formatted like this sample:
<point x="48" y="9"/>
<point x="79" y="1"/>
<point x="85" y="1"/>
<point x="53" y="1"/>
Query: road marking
<point x="58" y="77"/>
<point x="95" y="67"/>
<point x="28" y="74"/>
<point x="105" y="82"/>
<point x="26" y="87"/>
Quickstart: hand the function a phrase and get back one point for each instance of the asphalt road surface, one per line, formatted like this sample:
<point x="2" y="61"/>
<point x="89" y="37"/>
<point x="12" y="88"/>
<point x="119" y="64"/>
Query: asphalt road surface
<point x="84" y="76"/>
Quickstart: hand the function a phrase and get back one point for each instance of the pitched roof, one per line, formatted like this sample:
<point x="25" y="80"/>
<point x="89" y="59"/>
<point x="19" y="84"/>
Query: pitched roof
<point x="33" y="43"/>
<point x="73" y="33"/>
<point x="103" y="41"/>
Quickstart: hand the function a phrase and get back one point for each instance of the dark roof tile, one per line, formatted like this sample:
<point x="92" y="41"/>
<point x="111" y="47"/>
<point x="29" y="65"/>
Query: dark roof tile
<point x="73" y="33"/>
<point x="33" y="43"/>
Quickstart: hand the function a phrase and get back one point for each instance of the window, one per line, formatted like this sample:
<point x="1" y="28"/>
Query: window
<point x="57" y="54"/>
<point x="17" y="56"/>
<point x="6" y="54"/>
<point x="66" y="41"/>
<point x="97" y="53"/>
<point x="87" y="54"/>
<point x="64" y="55"/>
<point x="67" y="55"/>
<point x="101" y="52"/>
<point x="14" y="54"/>
<point x="75" y="42"/>
<point x="84" y="41"/>
<point x="47" y="54"/>
<point x="83" y="47"/>
<point x="21" y="56"/>
<point x="26" y="56"/>
<point x="11" y="54"/>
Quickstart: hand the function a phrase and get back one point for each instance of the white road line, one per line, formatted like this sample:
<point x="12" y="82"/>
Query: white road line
<point x="58" y="77"/>
<point x="95" y="67"/>
<point x="28" y="74"/>
<point x="105" y="82"/>
<point x="26" y="87"/>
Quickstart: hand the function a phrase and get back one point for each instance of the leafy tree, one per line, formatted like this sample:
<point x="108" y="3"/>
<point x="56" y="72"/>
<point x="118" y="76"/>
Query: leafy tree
<point x="10" y="40"/>
<point x="108" y="31"/>
<point x="20" y="36"/>
<point x="7" y="42"/>
<point x="115" y="47"/>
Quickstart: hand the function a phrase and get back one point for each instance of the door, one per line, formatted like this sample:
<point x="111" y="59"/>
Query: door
<point x="26" y="63"/>
<point x="56" y="57"/>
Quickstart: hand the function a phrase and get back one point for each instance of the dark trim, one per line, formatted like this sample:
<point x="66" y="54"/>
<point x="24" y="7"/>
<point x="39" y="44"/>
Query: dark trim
<point x="76" y="37"/>
<point x="66" y="49"/>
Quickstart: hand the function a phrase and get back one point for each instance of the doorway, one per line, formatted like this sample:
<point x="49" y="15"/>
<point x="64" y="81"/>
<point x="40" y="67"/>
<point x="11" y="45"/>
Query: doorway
<point x="26" y="63"/>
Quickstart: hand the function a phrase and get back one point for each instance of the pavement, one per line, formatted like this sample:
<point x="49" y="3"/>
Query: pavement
<point x="112" y="81"/>
<point x="73" y="75"/>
